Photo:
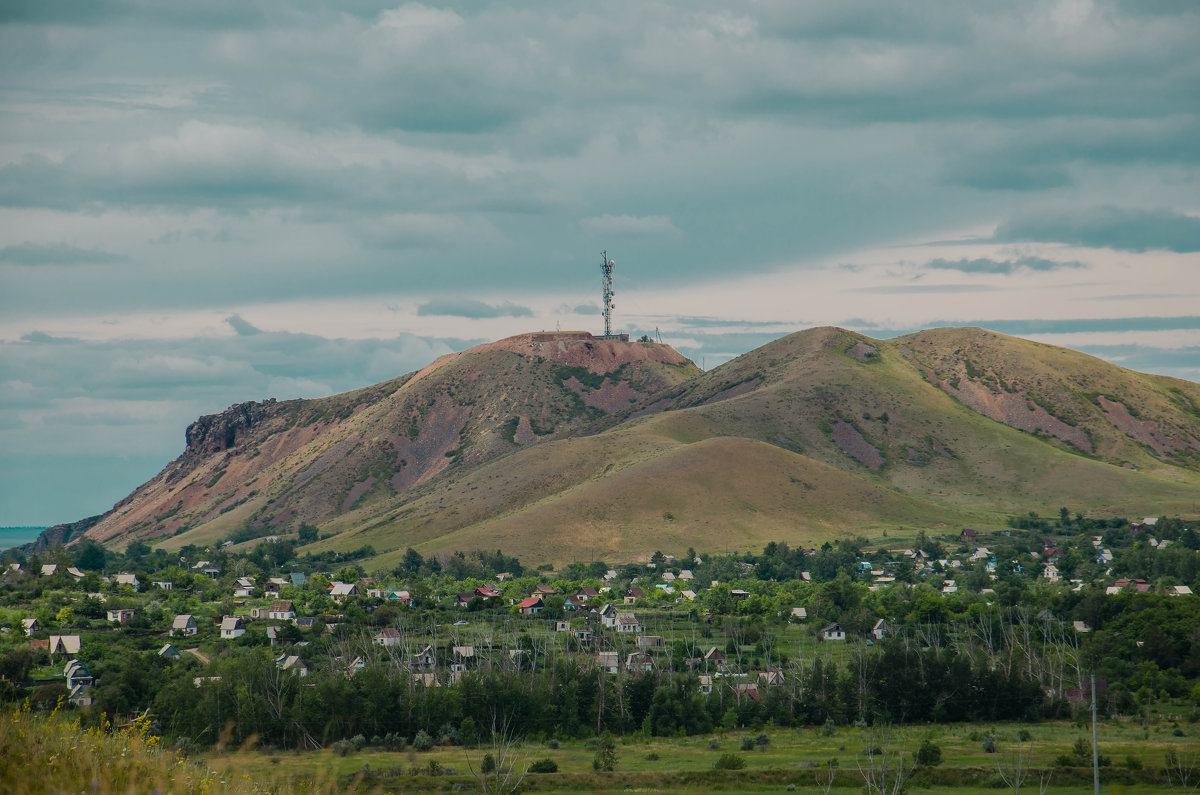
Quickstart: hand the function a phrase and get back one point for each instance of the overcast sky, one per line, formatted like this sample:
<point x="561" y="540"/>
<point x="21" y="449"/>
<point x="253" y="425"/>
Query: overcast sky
<point x="211" y="202"/>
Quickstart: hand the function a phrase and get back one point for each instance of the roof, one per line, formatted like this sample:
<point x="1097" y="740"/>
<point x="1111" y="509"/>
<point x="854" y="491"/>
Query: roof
<point x="281" y="607"/>
<point x="182" y="621"/>
<point x="68" y="644"/>
<point x="532" y="601"/>
<point x="230" y="623"/>
<point x="343" y="589"/>
<point x="388" y="632"/>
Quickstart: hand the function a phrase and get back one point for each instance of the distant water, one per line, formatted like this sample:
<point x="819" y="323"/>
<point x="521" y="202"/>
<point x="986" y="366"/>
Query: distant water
<point x="15" y="536"/>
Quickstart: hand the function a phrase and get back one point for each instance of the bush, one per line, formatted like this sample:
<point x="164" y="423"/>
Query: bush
<point x="606" y="757"/>
<point x="1024" y="735"/>
<point x="988" y="744"/>
<point x="1133" y="763"/>
<point x="544" y="766"/>
<point x="343" y="748"/>
<point x="714" y="744"/>
<point x="929" y="754"/>
<point x="730" y="762"/>
<point x="762" y="740"/>
<point x="358" y="741"/>
<point x="747" y="743"/>
<point x="829" y="728"/>
<point x="487" y="764"/>
<point x="652" y="756"/>
<point x="552" y="744"/>
<point x="422" y="742"/>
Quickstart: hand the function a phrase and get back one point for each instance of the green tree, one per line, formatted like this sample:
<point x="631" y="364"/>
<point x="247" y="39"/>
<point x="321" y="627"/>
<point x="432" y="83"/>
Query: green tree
<point x="606" y="755"/>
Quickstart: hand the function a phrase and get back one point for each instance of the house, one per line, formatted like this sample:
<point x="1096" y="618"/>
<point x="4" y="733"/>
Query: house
<point x="562" y="626"/>
<point x="274" y="585"/>
<point x="211" y="572"/>
<point x="129" y="579"/>
<point x="1080" y="626"/>
<point x="582" y="635"/>
<point x="183" y="625"/>
<point x="799" y="614"/>
<point x="608" y="616"/>
<point x="687" y="594"/>
<point x="635" y="592"/>
<point x="354" y="666"/>
<point x="488" y="592"/>
<point x="745" y="689"/>
<point x="120" y="616"/>
<point x="967" y="536"/>
<point x="706" y="684"/>
<point x="714" y="658"/>
<point x="292" y="664"/>
<point x="543" y="591"/>
<point x="462" y="657"/>
<point x="304" y="622"/>
<point x="169" y="651"/>
<point x="609" y="661"/>
<point x="1179" y="590"/>
<point x="1138" y="585"/>
<point x="232" y="627"/>
<point x="739" y="593"/>
<point x="340" y="591"/>
<point x="281" y="611"/>
<point x="639" y="662"/>
<point x="388" y="636"/>
<point x="1051" y="573"/>
<point x="30" y="625"/>
<point x="878" y="630"/>
<point x="426" y="679"/>
<point x="1045" y="614"/>
<point x="587" y="592"/>
<point x="650" y="641"/>
<point x="64" y="644"/>
<point x="272" y="634"/>
<point x="76" y="573"/>
<point x="464" y="598"/>
<point x="243" y="586"/>
<point x="424" y="660"/>
<point x="686" y="574"/>
<point x="298" y="577"/>
<point x="403" y="597"/>
<point x="574" y="603"/>
<point x="376" y="593"/>
<point x="78" y="674"/>
<point x="668" y="576"/>
<point x="49" y="569"/>
<point x="770" y="677"/>
<point x="163" y="585"/>
<point x="627" y="622"/>
<point x="530" y="606"/>
<point x="833" y="632"/>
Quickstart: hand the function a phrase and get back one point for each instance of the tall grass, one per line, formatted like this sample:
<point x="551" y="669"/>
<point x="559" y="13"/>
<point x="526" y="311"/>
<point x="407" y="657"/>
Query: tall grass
<point x="53" y="753"/>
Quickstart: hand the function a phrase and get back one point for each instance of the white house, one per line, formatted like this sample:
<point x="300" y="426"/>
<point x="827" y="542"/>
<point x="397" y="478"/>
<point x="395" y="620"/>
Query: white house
<point x="833" y="632"/>
<point x="232" y="627"/>
<point x="183" y="625"/>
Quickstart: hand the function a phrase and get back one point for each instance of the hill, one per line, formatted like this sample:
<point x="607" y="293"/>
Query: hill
<point x="562" y="446"/>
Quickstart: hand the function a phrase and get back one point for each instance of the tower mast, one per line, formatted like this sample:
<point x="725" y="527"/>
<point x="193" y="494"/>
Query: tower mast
<point x="606" y="269"/>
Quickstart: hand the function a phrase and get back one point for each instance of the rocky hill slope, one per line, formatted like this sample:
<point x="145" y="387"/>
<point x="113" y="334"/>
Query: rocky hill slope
<point x="561" y="446"/>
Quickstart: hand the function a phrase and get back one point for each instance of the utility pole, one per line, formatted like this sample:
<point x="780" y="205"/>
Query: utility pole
<point x="1095" y="747"/>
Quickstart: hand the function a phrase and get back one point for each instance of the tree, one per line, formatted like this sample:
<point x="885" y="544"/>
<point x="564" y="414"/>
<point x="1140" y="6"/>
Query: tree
<point x="90" y="556"/>
<point x="606" y="755"/>
<point x="882" y="765"/>
<point x="1014" y="767"/>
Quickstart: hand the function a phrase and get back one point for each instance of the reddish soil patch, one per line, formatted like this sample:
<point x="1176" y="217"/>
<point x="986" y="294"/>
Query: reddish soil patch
<point x="524" y="434"/>
<point x="608" y="397"/>
<point x="940" y="448"/>
<point x="437" y="434"/>
<point x="356" y="491"/>
<point x="581" y="349"/>
<point x="656" y="407"/>
<point x="854" y="444"/>
<point x="1147" y="432"/>
<point x="863" y="352"/>
<point x="1015" y="410"/>
<point x="733" y="391"/>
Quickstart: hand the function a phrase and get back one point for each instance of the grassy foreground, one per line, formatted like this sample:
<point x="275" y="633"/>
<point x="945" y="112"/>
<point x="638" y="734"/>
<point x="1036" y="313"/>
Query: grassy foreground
<point x="42" y="753"/>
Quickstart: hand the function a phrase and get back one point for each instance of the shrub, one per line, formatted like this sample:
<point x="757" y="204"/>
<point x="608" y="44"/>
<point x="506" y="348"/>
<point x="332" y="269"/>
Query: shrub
<point x="606" y="757"/>
<point x="988" y="744"/>
<point x="730" y="762"/>
<point x="1133" y="763"/>
<point x="829" y="728"/>
<point x="544" y="766"/>
<point x="358" y="741"/>
<point x="762" y="740"/>
<point x="1024" y="735"/>
<point x="714" y="744"/>
<point x="552" y="744"/>
<point x="377" y="740"/>
<point x="929" y="754"/>
<point x="343" y="748"/>
<point x="487" y="764"/>
<point x="747" y="743"/>
<point x="422" y="742"/>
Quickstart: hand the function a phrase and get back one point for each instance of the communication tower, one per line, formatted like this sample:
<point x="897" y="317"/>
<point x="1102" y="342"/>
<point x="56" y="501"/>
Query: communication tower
<point x="606" y="269"/>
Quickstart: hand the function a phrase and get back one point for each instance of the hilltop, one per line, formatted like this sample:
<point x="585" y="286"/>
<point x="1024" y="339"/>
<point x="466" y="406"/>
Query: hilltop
<point x="561" y="446"/>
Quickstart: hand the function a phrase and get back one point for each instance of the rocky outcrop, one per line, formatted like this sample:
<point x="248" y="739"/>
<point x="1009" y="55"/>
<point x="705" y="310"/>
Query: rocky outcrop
<point x="213" y="433"/>
<point x="60" y="535"/>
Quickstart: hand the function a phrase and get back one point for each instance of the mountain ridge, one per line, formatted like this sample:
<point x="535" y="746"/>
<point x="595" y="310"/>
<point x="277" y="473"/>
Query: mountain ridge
<point x="562" y="444"/>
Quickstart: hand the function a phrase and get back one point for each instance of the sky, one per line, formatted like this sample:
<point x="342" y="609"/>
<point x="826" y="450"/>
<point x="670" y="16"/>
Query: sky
<point x="207" y="203"/>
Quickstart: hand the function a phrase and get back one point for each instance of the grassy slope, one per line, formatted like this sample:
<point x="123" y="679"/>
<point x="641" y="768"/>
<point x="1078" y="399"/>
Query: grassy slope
<point x="722" y="470"/>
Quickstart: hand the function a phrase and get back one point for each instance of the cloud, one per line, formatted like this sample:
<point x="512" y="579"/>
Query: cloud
<point x="1108" y="227"/>
<point x="630" y="225"/>
<point x="888" y="289"/>
<point x="241" y="326"/>
<point x="1005" y="267"/>
<point x="466" y="307"/>
<point x="33" y="254"/>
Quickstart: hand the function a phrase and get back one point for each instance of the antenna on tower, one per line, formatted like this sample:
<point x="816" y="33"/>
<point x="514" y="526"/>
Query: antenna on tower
<point x="606" y="269"/>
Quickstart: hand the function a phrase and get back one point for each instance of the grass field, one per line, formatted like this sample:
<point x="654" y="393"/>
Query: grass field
<point x="800" y="758"/>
